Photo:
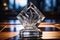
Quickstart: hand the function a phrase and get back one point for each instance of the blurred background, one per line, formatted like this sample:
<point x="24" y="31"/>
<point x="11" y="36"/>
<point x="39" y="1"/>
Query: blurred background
<point x="9" y="9"/>
<point x="10" y="25"/>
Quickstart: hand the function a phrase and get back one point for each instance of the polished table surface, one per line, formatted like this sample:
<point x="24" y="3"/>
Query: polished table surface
<point x="9" y="30"/>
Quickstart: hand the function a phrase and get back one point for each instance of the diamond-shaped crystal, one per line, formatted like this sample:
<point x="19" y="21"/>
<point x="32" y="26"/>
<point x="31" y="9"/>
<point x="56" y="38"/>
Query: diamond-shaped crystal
<point x="30" y="16"/>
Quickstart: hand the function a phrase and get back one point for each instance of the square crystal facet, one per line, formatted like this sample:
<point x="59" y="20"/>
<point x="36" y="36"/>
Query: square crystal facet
<point x="30" y="16"/>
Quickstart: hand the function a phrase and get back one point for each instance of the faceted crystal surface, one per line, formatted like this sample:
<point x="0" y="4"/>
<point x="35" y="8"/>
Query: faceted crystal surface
<point x="30" y="16"/>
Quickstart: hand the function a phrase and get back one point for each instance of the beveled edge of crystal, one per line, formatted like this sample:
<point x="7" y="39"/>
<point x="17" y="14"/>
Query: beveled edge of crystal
<point x="35" y="9"/>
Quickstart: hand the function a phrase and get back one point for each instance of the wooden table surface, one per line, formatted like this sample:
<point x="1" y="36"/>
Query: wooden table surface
<point x="10" y="29"/>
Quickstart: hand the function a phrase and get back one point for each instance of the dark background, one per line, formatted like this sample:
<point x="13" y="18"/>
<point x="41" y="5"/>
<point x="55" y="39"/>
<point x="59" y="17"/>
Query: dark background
<point x="53" y="12"/>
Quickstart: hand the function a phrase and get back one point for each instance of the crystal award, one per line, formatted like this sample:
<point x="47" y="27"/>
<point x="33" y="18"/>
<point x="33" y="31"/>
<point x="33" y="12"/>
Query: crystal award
<point x="29" y="17"/>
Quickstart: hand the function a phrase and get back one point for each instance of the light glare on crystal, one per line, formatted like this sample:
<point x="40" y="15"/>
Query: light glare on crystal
<point x="30" y="16"/>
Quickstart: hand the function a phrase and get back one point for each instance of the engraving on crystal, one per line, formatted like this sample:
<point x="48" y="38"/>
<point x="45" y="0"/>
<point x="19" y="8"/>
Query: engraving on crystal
<point x="29" y="17"/>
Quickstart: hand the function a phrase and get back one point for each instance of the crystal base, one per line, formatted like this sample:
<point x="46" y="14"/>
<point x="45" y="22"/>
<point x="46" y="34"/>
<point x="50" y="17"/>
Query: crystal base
<point x="31" y="38"/>
<point x="29" y="33"/>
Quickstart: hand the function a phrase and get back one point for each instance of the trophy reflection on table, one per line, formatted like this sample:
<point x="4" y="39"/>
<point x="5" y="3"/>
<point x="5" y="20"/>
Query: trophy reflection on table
<point x="29" y="17"/>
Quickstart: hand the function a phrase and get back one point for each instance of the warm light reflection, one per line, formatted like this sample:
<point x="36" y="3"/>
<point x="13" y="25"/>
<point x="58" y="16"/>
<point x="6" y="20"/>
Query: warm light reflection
<point x="5" y="4"/>
<point x="6" y="35"/>
<point x="6" y="8"/>
<point x="57" y="26"/>
<point x="46" y="34"/>
<point x="46" y="25"/>
<point x="51" y="35"/>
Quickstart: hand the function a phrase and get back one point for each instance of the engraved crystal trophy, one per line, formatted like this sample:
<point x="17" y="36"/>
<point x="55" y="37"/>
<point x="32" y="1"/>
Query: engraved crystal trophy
<point x="29" y="17"/>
